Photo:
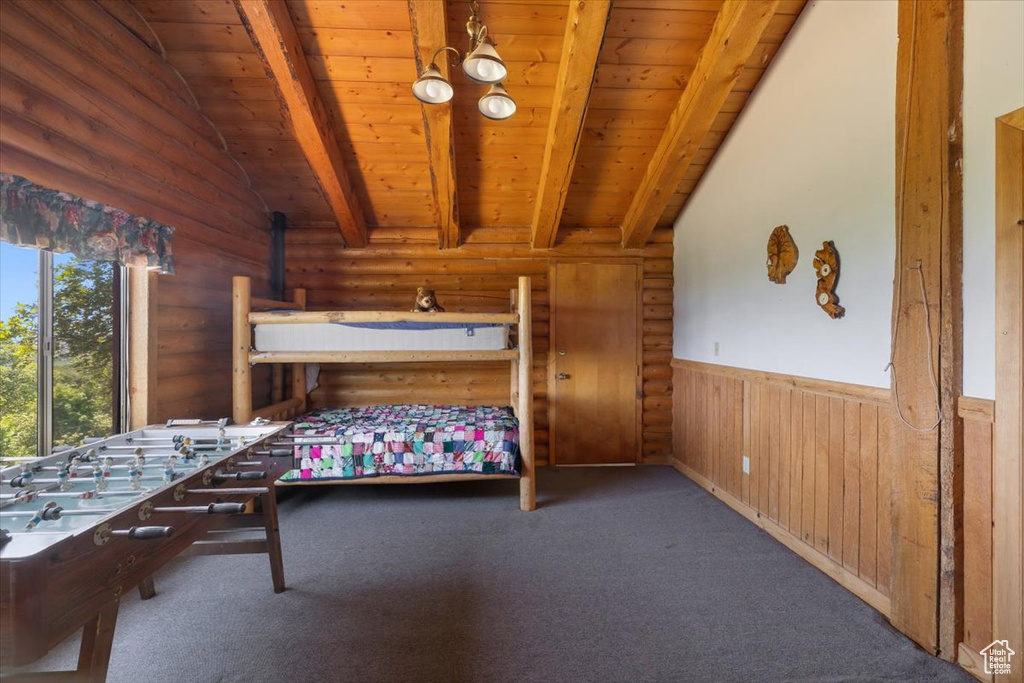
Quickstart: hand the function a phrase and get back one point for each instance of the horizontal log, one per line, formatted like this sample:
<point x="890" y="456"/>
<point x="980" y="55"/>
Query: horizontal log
<point x="72" y="180"/>
<point x="477" y="251"/>
<point x="657" y="312"/>
<point x="103" y="47"/>
<point x="138" y="121"/>
<point x="657" y="387"/>
<point x="657" y="371"/>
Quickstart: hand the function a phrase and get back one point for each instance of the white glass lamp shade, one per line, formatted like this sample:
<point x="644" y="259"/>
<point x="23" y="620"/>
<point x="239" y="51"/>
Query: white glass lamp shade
<point x="496" y="104"/>
<point x="483" y="64"/>
<point x="432" y="87"/>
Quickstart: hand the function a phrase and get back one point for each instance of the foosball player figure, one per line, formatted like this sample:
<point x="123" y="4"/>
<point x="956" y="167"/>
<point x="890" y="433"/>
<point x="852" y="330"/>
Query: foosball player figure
<point x="26" y="478"/>
<point x="135" y="475"/>
<point x="41" y="515"/>
<point x="169" y="469"/>
<point x="97" y="477"/>
<point x="108" y="464"/>
<point x="64" y="479"/>
<point x="76" y="462"/>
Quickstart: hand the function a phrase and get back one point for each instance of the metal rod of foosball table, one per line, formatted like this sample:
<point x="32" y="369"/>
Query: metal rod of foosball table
<point x="170" y="447"/>
<point x="63" y="512"/>
<point x="255" y="490"/>
<point x="57" y="481"/>
<point x="211" y="509"/>
<point x="155" y="465"/>
<point x="87" y="495"/>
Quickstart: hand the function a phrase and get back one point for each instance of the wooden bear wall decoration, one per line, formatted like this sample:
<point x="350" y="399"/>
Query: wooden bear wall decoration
<point x="826" y="265"/>
<point x="782" y="255"/>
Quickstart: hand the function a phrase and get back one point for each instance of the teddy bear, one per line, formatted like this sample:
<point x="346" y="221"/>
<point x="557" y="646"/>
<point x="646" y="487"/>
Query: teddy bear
<point x="426" y="302"/>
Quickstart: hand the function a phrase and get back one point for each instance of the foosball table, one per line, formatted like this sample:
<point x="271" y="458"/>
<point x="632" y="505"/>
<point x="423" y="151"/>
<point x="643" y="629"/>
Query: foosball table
<point x="81" y="527"/>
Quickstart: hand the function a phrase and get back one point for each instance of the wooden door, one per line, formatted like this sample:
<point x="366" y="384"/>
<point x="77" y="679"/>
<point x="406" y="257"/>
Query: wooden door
<point x="594" y="363"/>
<point x="1007" y="465"/>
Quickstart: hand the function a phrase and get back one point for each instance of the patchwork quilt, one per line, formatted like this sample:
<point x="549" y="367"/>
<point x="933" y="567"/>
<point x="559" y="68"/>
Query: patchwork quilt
<point x="352" y="443"/>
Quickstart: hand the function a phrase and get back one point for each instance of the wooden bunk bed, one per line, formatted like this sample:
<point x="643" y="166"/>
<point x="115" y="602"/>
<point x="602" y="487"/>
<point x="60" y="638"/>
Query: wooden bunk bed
<point x="249" y="311"/>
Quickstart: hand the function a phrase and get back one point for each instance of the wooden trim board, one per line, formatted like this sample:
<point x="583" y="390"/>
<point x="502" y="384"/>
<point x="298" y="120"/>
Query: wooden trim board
<point x="970" y="408"/>
<point x="1007" y="468"/>
<point x="973" y="663"/>
<point x="819" y="386"/>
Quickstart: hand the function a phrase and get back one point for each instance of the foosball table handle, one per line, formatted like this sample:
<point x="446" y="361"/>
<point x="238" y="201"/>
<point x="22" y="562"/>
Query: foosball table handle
<point x="145" y="533"/>
<point x="240" y="476"/>
<point x="276" y="452"/>
<point x="225" y="508"/>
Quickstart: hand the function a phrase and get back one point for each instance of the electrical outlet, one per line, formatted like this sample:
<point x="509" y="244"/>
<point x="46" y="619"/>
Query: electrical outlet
<point x="746" y="465"/>
<point x="716" y="349"/>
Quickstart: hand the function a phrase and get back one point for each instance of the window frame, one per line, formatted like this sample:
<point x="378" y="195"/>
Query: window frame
<point x="44" y="352"/>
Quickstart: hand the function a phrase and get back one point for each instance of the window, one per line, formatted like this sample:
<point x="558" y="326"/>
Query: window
<point x="62" y="369"/>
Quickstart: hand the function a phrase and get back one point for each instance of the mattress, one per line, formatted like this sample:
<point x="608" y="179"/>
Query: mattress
<point x="413" y="440"/>
<point x="414" y="336"/>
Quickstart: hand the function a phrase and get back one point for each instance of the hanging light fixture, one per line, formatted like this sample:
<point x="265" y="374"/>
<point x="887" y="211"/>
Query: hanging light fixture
<point x="496" y="104"/>
<point x="481" y="64"/>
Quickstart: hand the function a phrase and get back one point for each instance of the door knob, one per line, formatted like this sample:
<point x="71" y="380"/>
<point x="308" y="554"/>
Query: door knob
<point x="561" y="375"/>
<point x="561" y="352"/>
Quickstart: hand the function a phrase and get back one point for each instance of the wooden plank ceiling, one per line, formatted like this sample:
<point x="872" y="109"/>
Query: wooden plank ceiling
<point x="362" y="56"/>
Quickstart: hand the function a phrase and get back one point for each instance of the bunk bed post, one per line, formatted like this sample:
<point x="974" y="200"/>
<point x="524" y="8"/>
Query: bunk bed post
<point x="514" y="374"/>
<point x="241" y="332"/>
<point x="527" y="482"/>
<point x="299" y="369"/>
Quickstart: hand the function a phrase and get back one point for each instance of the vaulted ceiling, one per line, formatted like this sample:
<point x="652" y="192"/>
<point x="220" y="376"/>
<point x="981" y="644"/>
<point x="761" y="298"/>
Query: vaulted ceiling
<point x="619" y="111"/>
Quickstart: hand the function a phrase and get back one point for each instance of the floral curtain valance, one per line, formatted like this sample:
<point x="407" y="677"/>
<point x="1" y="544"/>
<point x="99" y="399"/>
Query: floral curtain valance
<point x="34" y="216"/>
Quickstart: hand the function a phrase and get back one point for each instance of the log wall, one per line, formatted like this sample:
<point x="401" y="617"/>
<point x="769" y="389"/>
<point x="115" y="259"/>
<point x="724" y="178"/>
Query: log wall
<point x="819" y="464"/>
<point x="475" y="277"/>
<point x="88" y="106"/>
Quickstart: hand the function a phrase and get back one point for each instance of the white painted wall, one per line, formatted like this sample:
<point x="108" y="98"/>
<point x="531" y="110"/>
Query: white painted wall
<point x="993" y="86"/>
<point x="814" y="149"/>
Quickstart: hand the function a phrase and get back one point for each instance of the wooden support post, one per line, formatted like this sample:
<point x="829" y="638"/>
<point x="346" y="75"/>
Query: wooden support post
<point x="528" y="482"/>
<point x="241" y="339"/>
<point x="268" y="510"/>
<point x="1007" y="465"/>
<point x="277" y="43"/>
<point x="733" y="39"/>
<point x="514" y="374"/>
<point x="147" y="589"/>
<point x="584" y="33"/>
<point x="97" y="639"/>
<point x="429" y="32"/>
<point x="299" y="369"/>
<point x="927" y="462"/>
<point x="142" y="347"/>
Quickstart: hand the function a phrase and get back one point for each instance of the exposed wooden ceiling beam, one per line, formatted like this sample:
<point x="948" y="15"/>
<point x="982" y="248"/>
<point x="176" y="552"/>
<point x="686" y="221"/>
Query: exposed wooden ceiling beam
<point x="585" y="28"/>
<point x="273" y="33"/>
<point x="584" y="33"/>
<point x="734" y="37"/>
<point x="429" y="32"/>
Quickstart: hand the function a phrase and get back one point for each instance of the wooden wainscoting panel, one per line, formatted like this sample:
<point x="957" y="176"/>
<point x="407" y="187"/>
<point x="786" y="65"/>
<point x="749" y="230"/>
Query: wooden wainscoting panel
<point x="818" y="463"/>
